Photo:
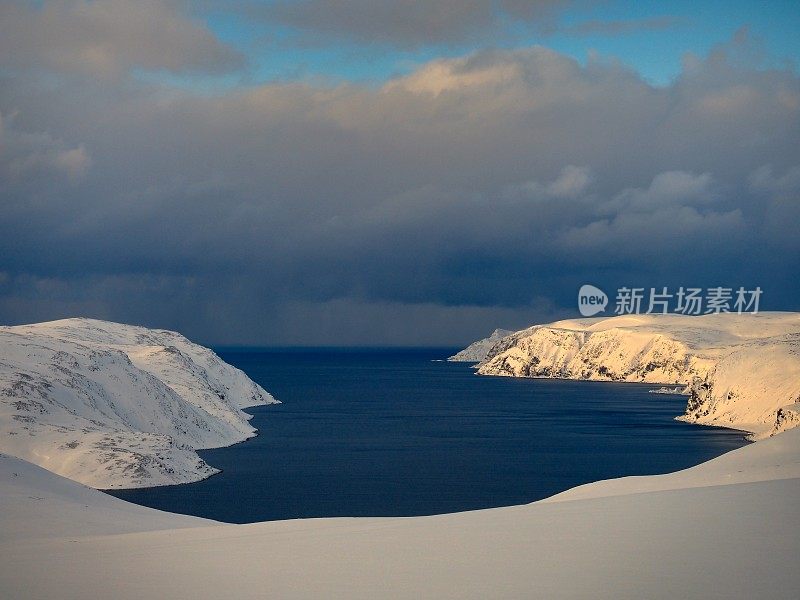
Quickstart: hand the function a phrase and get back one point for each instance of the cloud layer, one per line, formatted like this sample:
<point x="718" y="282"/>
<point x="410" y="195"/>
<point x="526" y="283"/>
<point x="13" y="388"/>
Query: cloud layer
<point x="109" y="38"/>
<point x="475" y="192"/>
<point x="408" y="22"/>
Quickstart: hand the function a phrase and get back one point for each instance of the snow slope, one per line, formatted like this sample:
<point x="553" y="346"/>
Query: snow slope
<point x="741" y="371"/>
<point x="113" y="405"/>
<point x="36" y="503"/>
<point x="725" y="529"/>
<point x="477" y="351"/>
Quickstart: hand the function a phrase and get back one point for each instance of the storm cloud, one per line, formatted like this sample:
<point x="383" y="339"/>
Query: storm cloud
<point x="474" y="192"/>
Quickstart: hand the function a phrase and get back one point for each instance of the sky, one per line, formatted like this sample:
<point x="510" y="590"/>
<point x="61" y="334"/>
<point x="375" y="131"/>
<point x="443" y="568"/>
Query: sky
<point x="370" y="172"/>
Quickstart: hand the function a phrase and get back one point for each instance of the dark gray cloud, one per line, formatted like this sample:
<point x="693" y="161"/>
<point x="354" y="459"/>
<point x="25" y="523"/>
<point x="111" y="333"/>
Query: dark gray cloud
<point x="407" y="22"/>
<point x="109" y="38"/>
<point x="28" y="155"/>
<point x="474" y="192"/>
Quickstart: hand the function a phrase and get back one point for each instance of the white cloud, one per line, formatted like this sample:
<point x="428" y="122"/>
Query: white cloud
<point x="668" y="189"/>
<point x="571" y="182"/>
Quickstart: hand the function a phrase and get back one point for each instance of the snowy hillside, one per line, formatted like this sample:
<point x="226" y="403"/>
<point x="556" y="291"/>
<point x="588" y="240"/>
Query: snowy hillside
<point x="742" y="371"/>
<point x="477" y="351"/>
<point x="724" y="529"/>
<point x="115" y="406"/>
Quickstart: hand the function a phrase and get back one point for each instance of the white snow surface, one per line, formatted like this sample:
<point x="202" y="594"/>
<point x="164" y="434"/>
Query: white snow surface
<point x="741" y="371"/>
<point x="477" y="351"/>
<point x="118" y="406"/>
<point x="725" y="529"/>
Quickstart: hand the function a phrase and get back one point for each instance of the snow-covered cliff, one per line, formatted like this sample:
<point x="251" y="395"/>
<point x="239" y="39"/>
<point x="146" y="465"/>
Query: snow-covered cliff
<point x="741" y="371"/>
<point x="477" y="351"/>
<point x="116" y="406"/>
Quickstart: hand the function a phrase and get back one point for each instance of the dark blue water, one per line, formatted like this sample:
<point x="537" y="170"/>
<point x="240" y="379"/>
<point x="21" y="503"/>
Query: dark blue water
<point x="389" y="432"/>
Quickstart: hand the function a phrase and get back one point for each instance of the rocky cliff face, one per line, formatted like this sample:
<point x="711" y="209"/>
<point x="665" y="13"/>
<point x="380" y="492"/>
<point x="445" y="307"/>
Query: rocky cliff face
<point x="754" y="386"/>
<point x="114" y="405"/>
<point x="741" y="371"/>
<point x="477" y="351"/>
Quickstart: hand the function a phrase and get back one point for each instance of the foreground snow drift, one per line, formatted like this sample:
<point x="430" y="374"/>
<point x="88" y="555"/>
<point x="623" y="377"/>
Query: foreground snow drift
<point x="114" y="405"/>
<point x="724" y="529"/>
<point x="740" y="371"/>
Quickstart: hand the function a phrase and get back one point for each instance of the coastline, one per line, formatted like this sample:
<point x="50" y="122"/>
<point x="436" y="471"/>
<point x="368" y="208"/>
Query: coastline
<point x="118" y="406"/>
<point x="751" y="434"/>
<point x="740" y="370"/>
<point x="524" y="550"/>
<point x="203" y="477"/>
<point x="688" y="450"/>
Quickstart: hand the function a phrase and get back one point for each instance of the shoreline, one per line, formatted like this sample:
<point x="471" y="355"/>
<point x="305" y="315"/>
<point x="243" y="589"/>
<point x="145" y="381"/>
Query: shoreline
<point x="217" y="471"/>
<point x="740" y="434"/>
<point x="740" y="370"/>
<point x="751" y="435"/>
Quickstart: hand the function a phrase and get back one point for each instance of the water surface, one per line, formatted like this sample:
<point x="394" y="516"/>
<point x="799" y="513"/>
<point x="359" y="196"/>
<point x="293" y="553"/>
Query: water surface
<point x="391" y="432"/>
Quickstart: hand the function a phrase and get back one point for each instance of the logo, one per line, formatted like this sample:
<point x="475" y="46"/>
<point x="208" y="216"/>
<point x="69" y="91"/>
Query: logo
<point x="591" y="300"/>
<point x="684" y="301"/>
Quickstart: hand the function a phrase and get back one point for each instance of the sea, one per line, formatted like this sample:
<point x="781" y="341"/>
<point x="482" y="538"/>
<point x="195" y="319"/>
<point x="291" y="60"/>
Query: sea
<point x="403" y="432"/>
